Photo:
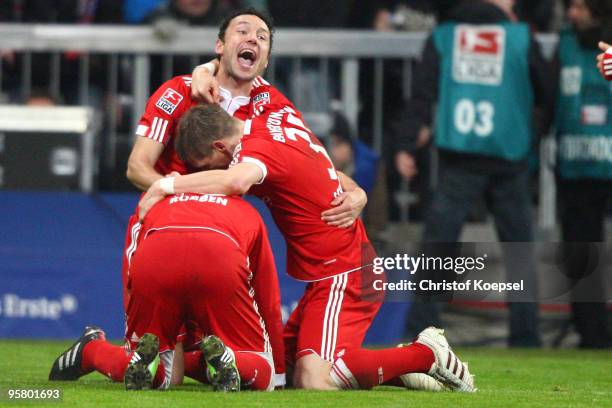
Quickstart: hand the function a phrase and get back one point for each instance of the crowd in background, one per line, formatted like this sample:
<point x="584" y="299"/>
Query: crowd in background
<point x="379" y="15"/>
<point x="404" y="163"/>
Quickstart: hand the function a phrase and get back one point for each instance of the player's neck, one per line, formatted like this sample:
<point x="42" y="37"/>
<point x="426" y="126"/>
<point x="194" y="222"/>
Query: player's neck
<point x="235" y="87"/>
<point x="234" y="140"/>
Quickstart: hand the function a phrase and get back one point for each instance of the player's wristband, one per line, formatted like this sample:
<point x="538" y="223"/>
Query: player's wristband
<point x="167" y="185"/>
<point x="210" y="67"/>
<point x="607" y="64"/>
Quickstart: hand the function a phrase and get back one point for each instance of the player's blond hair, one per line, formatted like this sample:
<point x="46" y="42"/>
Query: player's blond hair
<point x="198" y="128"/>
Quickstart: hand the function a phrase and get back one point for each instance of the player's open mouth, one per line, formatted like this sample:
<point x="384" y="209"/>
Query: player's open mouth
<point x="247" y="58"/>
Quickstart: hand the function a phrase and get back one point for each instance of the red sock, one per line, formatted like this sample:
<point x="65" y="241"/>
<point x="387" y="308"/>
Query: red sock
<point x="112" y="361"/>
<point x="194" y="367"/>
<point x="106" y="358"/>
<point x="255" y="371"/>
<point x="365" y="369"/>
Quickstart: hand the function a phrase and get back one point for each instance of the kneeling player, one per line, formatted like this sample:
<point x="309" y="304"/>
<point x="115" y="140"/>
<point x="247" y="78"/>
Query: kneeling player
<point x="195" y="261"/>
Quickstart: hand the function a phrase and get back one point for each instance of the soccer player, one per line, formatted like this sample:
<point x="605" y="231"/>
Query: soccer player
<point x="278" y="158"/>
<point x="197" y="260"/>
<point x="604" y="60"/>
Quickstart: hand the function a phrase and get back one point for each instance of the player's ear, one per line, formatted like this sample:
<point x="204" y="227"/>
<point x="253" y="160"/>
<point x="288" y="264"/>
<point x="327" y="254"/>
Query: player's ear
<point x="219" y="45"/>
<point x="219" y="145"/>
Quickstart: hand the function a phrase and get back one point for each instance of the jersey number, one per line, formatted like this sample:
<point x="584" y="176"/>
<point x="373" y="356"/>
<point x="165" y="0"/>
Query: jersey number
<point x="292" y="133"/>
<point x="477" y="118"/>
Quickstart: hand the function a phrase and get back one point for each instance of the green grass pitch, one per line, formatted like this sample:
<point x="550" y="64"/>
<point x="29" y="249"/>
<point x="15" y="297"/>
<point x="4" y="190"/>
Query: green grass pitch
<point x="505" y="378"/>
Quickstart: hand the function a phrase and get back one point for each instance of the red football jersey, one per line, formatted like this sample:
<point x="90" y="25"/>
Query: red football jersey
<point x="238" y="221"/>
<point x="164" y="110"/>
<point x="299" y="183"/>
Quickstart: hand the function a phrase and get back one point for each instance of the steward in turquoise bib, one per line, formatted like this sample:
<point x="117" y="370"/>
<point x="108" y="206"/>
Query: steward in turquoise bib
<point x="584" y="114"/>
<point x="485" y="95"/>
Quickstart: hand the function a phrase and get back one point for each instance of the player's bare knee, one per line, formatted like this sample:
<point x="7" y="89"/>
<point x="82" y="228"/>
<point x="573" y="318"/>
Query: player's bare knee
<point x="312" y="373"/>
<point x="311" y="381"/>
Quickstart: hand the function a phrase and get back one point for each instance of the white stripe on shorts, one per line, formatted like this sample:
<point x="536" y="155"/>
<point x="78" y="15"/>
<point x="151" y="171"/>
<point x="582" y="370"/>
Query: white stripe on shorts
<point x="332" y="313"/>
<point x="132" y="247"/>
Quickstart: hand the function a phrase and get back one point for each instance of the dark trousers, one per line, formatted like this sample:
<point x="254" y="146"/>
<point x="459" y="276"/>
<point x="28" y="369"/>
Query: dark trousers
<point x="583" y="206"/>
<point x="508" y="198"/>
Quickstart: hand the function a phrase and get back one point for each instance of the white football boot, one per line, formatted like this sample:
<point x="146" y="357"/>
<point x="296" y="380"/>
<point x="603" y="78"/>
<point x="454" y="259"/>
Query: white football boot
<point x="422" y="382"/>
<point x="447" y="369"/>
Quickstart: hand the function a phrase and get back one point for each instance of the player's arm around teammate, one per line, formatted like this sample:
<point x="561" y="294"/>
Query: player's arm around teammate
<point x="237" y="180"/>
<point x="141" y="163"/>
<point x="205" y="87"/>
<point x="234" y="181"/>
<point x="346" y="207"/>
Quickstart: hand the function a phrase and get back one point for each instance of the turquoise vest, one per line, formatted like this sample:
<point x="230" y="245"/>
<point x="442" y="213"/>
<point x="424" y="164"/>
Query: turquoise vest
<point x="485" y="93"/>
<point x="584" y="114"/>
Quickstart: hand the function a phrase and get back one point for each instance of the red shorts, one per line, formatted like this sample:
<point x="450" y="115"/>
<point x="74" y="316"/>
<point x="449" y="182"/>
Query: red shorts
<point x="331" y="318"/>
<point x="190" y="335"/>
<point x="131" y="238"/>
<point x="178" y="276"/>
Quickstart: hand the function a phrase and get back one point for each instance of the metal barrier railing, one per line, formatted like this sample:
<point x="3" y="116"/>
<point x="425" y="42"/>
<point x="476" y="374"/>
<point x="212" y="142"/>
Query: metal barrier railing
<point x="127" y="52"/>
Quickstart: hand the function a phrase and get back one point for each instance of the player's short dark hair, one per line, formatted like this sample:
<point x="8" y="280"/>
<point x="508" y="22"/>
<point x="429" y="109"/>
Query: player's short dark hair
<point x="248" y="12"/>
<point x="198" y="128"/>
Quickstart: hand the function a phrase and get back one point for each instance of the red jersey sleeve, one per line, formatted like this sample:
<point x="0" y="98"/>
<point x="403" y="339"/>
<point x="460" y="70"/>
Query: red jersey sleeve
<point x="267" y="295"/>
<point x="164" y="109"/>
<point x="261" y="151"/>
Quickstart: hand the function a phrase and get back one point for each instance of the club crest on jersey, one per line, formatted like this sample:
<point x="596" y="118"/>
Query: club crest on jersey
<point x="478" y="54"/>
<point x="260" y="100"/>
<point x="169" y="101"/>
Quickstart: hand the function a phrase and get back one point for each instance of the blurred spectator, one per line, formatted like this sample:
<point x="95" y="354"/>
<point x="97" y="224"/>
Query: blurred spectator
<point x="306" y="89"/>
<point x="539" y="14"/>
<point x="135" y="11"/>
<point x="584" y="124"/>
<point x="404" y="18"/>
<point x="28" y="11"/>
<point x="391" y="16"/>
<point x="358" y="161"/>
<point x="485" y="94"/>
<point x="351" y="156"/>
<point x="90" y="11"/>
<point x="190" y="12"/>
<point x="167" y="19"/>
